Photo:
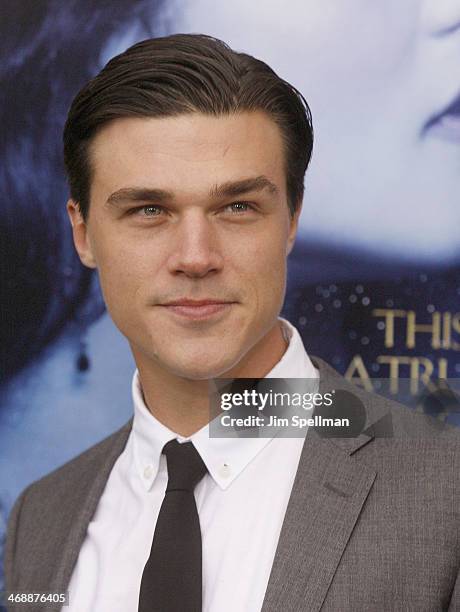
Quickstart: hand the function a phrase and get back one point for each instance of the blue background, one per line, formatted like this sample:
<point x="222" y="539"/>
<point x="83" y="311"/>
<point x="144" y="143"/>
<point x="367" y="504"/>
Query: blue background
<point x="66" y="370"/>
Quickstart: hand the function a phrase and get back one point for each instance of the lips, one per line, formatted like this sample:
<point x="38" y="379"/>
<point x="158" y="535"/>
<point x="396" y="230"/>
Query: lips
<point x="195" y="303"/>
<point x="446" y="124"/>
<point x="198" y="309"/>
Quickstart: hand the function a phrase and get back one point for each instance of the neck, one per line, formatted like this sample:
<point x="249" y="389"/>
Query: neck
<point x="182" y="404"/>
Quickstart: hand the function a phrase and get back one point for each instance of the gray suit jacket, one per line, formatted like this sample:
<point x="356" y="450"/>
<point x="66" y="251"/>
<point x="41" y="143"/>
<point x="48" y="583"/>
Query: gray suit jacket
<point x="372" y="524"/>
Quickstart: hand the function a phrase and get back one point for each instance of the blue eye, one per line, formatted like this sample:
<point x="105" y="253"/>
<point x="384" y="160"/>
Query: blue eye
<point x="156" y="210"/>
<point x="149" y="210"/>
<point x="239" y="207"/>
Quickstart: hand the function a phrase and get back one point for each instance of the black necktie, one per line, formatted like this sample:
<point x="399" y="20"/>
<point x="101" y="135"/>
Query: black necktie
<point x="172" y="577"/>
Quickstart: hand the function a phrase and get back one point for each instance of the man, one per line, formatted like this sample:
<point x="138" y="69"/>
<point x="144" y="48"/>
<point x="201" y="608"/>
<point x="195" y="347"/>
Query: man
<point x="186" y="163"/>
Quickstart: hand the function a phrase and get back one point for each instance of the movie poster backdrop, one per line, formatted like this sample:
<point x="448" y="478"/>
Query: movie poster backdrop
<point x="373" y="282"/>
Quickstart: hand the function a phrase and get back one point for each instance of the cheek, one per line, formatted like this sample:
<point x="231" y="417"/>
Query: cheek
<point x="127" y="275"/>
<point x="265" y="270"/>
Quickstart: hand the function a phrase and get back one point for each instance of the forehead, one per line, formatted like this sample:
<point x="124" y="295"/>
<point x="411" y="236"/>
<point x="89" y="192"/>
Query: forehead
<point x="186" y="153"/>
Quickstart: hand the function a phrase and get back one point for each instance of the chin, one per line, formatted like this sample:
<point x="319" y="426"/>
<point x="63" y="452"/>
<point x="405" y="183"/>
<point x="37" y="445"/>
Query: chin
<point x="204" y="372"/>
<point x="196" y="369"/>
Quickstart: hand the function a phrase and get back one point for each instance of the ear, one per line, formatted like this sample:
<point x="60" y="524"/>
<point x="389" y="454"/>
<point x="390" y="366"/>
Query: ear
<point x="80" y="235"/>
<point x="293" y="225"/>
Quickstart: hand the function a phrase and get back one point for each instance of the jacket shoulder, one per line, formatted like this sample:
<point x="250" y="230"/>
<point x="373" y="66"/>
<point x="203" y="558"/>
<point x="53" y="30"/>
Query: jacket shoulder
<point x="386" y="418"/>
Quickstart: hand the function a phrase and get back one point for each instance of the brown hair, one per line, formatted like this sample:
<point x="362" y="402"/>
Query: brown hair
<point x="185" y="73"/>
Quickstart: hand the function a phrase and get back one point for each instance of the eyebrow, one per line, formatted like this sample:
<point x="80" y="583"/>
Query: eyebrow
<point x="228" y="189"/>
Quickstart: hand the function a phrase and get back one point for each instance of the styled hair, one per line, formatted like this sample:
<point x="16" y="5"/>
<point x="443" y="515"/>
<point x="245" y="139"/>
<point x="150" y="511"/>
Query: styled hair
<point x="180" y="74"/>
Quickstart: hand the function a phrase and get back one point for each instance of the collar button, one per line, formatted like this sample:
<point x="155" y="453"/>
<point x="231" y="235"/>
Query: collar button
<point x="148" y="472"/>
<point x="225" y="471"/>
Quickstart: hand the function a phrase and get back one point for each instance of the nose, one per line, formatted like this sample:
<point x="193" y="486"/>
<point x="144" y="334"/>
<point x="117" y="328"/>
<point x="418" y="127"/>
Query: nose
<point x="195" y="248"/>
<point x="441" y="17"/>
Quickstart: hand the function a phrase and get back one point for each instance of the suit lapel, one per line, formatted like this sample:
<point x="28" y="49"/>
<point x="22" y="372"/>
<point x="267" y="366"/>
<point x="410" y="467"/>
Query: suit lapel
<point x="329" y="491"/>
<point x="85" y="507"/>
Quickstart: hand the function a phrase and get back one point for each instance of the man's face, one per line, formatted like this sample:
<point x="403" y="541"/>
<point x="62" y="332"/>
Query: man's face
<point x="189" y="208"/>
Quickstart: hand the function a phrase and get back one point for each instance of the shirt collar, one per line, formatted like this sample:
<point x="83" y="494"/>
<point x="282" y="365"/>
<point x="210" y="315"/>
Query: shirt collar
<point x="225" y="458"/>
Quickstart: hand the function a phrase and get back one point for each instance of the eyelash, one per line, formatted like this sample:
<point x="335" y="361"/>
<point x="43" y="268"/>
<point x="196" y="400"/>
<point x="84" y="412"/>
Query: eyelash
<point x="160" y="208"/>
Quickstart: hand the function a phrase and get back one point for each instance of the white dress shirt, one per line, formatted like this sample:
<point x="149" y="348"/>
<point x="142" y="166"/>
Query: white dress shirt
<point x="241" y="503"/>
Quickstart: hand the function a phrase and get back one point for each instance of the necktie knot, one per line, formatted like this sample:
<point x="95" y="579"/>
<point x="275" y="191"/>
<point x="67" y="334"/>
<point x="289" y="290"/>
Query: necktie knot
<point x="185" y="466"/>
